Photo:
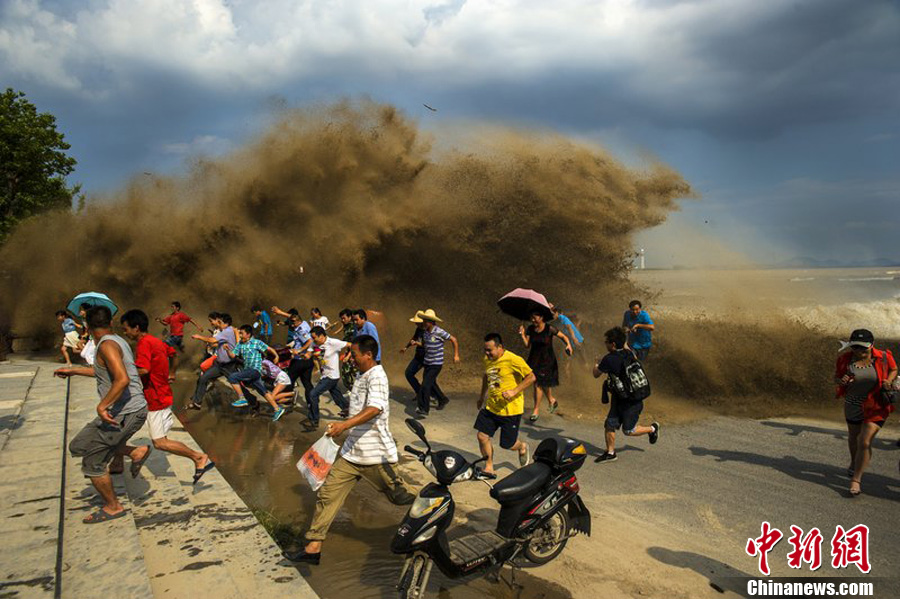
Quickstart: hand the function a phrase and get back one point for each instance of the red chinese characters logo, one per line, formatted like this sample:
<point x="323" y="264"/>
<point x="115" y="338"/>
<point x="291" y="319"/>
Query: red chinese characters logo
<point x="847" y="547"/>
<point x="762" y="545"/>
<point x="851" y="547"/>
<point x="805" y="548"/>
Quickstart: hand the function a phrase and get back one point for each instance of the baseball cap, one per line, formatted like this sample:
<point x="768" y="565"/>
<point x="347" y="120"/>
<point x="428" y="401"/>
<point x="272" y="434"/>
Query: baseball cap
<point x="862" y="338"/>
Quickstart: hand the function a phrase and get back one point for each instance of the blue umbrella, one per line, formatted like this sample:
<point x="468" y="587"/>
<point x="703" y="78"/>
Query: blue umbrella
<point x="91" y="298"/>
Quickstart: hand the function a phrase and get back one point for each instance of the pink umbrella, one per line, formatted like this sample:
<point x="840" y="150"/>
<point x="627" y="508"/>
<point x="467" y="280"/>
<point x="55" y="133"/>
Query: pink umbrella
<point x="522" y="303"/>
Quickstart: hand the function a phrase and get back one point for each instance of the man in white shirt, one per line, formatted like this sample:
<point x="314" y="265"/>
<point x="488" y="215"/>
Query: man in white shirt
<point x="330" y="352"/>
<point x="368" y="452"/>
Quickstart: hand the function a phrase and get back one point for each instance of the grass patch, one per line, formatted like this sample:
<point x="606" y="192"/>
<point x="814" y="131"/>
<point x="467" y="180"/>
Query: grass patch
<point x="283" y="534"/>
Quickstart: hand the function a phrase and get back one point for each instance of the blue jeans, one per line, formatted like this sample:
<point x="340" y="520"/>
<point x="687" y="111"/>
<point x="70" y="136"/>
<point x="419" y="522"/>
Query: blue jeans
<point x="324" y="384"/>
<point x="176" y="341"/>
<point x="214" y="372"/>
<point x="250" y="378"/>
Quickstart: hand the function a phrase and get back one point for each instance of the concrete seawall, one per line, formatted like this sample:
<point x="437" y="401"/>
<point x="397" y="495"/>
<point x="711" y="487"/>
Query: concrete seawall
<point x="177" y="540"/>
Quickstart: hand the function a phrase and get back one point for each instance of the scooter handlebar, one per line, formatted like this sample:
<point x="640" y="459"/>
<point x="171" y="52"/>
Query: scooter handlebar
<point x="414" y="451"/>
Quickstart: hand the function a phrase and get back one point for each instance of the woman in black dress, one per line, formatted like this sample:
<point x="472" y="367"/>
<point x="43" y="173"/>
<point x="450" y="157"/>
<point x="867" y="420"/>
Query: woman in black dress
<point x="538" y="337"/>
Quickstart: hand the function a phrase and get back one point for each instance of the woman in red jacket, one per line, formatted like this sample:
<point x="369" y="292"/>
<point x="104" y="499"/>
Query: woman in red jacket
<point x="861" y="373"/>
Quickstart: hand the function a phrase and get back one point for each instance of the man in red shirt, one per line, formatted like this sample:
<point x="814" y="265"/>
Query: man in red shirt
<point x="176" y="321"/>
<point x="151" y="357"/>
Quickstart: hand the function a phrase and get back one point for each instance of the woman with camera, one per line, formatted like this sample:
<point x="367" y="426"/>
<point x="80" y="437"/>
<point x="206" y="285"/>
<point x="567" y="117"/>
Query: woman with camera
<point x="865" y="377"/>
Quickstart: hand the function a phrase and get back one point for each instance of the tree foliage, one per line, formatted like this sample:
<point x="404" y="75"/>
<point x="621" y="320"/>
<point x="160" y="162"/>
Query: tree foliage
<point x="33" y="162"/>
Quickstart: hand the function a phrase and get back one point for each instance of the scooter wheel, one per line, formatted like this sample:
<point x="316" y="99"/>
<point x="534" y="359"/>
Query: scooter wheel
<point x="548" y="540"/>
<point x="409" y="580"/>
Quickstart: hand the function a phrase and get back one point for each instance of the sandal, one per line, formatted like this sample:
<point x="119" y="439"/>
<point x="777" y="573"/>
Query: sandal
<point x="533" y="418"/>
<point x="199" y="472"/>
<point x="102" y="515"/>
<point x="857" y="490"/>
<point x="553" y="406"/>
<point x="136" y="466"/>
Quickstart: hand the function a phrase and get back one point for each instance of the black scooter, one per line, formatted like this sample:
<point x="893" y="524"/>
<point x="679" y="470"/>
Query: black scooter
<point x="539" y="511"/>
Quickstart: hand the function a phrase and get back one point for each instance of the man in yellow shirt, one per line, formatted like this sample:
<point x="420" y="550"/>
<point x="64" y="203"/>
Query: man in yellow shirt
<point x="501" y="403"/>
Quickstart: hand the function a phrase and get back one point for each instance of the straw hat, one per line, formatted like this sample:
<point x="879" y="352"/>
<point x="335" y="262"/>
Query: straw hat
<point x="428" y="315"/>
<point x="415" y="319"/>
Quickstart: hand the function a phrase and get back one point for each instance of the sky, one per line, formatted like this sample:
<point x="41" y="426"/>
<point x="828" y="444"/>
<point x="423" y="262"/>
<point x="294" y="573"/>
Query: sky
<point x="784" y="115"/>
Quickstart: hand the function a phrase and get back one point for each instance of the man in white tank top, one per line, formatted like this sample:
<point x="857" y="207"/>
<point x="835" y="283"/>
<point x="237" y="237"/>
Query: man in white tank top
<point x="120" y="414"/>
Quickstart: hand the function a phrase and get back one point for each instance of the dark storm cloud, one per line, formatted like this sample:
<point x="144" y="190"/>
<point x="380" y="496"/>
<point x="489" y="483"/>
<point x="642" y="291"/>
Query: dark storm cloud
<point x="741" y="93"/>
<point x="813" y="62"/>
<point x="809" y="63"/>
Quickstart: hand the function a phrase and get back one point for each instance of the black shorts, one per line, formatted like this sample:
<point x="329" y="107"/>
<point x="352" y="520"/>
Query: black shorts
<point x="487" y="422"/>
<point x="624" y="414"/>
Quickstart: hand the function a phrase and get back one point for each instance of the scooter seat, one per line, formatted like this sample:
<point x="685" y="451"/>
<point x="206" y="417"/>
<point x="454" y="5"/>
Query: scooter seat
<point x="522" y="483"/>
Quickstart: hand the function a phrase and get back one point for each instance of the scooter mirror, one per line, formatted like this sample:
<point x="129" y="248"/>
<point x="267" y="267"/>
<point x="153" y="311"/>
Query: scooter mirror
<point x="416" y="427"/>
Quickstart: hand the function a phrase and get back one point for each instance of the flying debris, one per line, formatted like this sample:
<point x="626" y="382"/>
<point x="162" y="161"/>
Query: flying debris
<point x="430" y="108"/>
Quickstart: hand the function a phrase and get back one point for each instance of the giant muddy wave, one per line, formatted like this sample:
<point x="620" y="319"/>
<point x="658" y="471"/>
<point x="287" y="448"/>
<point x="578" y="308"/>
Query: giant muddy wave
<point x="355" y="205"/>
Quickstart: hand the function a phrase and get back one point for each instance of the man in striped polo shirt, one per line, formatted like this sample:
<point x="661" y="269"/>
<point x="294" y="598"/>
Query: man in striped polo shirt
<point x="368" y="452"/>
<point x="433" y="341"/>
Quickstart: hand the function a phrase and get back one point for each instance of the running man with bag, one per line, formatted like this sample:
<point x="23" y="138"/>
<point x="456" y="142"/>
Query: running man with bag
<point x="628" y="387"/>
<point x="368" y="452"/>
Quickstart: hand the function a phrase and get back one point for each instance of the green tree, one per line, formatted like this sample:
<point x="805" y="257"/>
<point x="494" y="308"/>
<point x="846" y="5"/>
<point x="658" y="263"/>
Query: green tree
<point x="33" y="162"/>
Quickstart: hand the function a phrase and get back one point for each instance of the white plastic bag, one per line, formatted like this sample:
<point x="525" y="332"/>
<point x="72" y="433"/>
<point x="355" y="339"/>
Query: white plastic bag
<point x="317" y="461"/>
<point x="89" y="351"/>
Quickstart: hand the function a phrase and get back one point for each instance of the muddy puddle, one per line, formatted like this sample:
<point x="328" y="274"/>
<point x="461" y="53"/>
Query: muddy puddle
<point x="258" y="459"/>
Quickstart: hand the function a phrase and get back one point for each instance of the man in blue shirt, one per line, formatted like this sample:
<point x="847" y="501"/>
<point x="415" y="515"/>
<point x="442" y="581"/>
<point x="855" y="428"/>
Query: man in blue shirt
<point x="639" y="326"/>
<point x="301" y="366"/>
<point x="70" y="335"/>
<point x="224" y="365"/>
<point x="576" y="339"/>
<point x="263" y="324"/>
<point x="364" y="327"/>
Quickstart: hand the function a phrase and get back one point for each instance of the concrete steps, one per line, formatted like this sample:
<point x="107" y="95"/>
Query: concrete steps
<point x="177" y="540"/>
<point x="30" y="474"/>
<point x="92" y="553"/>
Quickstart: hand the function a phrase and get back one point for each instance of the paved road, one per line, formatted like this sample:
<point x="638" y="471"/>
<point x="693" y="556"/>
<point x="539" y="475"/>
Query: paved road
<point x="712" y="483"/>
<point x="670" y="520"/>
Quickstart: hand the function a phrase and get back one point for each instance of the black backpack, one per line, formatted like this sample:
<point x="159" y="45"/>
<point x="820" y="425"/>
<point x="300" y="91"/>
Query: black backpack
<point x="631" y="384"/>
